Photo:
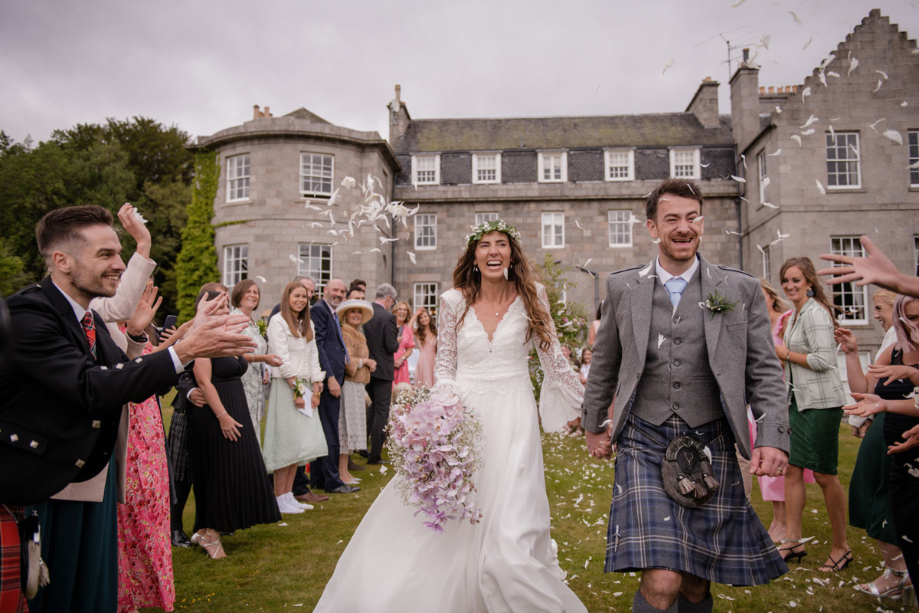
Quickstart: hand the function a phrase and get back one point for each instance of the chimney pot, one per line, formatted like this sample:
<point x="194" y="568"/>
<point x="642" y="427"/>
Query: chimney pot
<point x="267" y="113"/>
<point x="746" y="55"/>
<point x="398" y="95"/>
<point x="255" y="111"/>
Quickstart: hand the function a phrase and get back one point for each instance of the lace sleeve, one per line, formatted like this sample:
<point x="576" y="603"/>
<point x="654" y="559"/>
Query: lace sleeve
<point x="445" y="362"/>
<point x="562" y="393"/>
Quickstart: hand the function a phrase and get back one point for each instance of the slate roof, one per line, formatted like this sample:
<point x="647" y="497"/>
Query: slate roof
<point x="303" y="113"/>
<point x="645" y="130"/>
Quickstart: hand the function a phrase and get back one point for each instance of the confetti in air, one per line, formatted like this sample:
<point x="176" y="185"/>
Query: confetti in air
<point x="261" y="278"/>
<point x="809" y="121"/>
<point x="667" y="66"/>
<point x="796" y="138"/>
<point x="777" y="152"/>
<point x="894" y="136"/>
<point x="820" y="187"/>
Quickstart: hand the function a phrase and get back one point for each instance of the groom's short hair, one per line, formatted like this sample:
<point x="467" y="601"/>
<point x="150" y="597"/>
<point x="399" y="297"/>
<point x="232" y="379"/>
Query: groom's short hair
<point x="677" y="187"/>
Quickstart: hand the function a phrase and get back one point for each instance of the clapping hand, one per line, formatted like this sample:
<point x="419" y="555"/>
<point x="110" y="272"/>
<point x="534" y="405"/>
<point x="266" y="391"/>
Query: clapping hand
<point x="146" y="309"/>
<point x="846" y="340"/>
<point x="135" y="228"/>
<point x="273" y="360"/>
<point x="912" y="439"/>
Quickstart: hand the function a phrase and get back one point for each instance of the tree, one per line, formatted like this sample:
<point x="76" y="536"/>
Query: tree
<point x="12" y="271"/>
<point x="570" y="318"/>
<point x="197" y="261"/>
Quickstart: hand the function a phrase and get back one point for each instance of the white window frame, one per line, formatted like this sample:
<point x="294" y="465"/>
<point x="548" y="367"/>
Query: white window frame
<point x="675" y="163"/>
<point x="851" y="156"/>
<point x="912" y="142"/>
<point x="762" y="174"/>
<point x="554" y="219"/>
<point x="312" y="178"/>
<point x="425" y="241"/>
<point x="311" y="265"/>
<point x="235" y="264"/>
<point x="238" y="184"/>
<point x="425" y="295"/>
<point x="767" y="264"/>
<point x="849" y="245"/>
<point x="610" y="155"/>
<point x="546" y="156"/>
<point x="416" y="167"/>
<point x="477" y="159"/>
<point x="623" y="227"/>
<point x="484" y="216"/>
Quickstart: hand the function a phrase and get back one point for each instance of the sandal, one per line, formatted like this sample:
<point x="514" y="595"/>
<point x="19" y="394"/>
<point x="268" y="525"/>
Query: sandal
<point x="792" y="554"/>
<point x="837" y="565"/>
<point x="894" y="593"/>
<point x="213" y="547"/>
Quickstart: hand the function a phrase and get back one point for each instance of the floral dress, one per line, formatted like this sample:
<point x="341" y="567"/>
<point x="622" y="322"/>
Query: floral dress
<point x="252" y="380"/>
<point x="401" y="374"/>
<point x="144" y="550"/>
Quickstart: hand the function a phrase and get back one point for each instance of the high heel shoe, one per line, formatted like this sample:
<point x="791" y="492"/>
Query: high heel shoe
<point x="213" y="547"/>
<point x="834" y="566"/>
<point x="894" y="592"/>
<point x="792" y="554"/>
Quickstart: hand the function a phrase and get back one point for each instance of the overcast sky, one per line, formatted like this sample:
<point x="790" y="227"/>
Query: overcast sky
<point x="202" y="65"/>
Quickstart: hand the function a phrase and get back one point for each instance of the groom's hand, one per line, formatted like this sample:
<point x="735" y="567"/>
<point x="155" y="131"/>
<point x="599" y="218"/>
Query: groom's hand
<point x="768" y="462"/>
<point x="599" y="444"/>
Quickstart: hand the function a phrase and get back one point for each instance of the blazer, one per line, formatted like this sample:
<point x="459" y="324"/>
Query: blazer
<point x="59" y="408"/>
<point x="329" y="341"/>
<point x="382" y="335"/>
<point x="738" y="342"/>
<point x="811" y="333"/>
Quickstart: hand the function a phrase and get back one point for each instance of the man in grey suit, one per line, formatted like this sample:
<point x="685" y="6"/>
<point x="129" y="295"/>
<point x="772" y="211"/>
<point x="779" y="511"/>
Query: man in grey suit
<point x="683" y="347"/>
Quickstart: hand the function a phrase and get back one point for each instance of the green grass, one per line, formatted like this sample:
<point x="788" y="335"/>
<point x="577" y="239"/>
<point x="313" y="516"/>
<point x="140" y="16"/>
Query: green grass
<point x="273" y="568"/>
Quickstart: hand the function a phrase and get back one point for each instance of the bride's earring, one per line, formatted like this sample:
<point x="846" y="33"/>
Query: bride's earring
<point x="475" y="268"/>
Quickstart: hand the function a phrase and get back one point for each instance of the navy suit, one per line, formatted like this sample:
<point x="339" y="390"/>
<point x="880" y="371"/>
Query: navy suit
<point x="59" y="414"/>
<point x="332" y="353"/>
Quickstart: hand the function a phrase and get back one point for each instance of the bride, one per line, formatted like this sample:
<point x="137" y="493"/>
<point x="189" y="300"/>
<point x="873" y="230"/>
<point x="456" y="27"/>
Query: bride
<point x="486" y="326"/>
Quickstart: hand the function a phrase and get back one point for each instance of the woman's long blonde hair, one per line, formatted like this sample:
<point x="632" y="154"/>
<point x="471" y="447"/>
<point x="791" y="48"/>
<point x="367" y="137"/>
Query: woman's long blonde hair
<point x="299" y="324"/>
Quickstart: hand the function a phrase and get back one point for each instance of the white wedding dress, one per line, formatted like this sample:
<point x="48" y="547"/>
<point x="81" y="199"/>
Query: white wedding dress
<point x="506" y="562"/>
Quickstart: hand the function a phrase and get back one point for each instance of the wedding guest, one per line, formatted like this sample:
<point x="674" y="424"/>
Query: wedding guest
<point x="182" y="475"/>
<point x="901" y="375"/>
<point x="68" y="382"/>
<point x="293" y="433"/>
<point x="383" y="342"/>
<point x="355" y="293"/>
<point x="406" y="344"/>
<point x="815" y="400"/>
<point x="586" y="356"/>
<point x="308" y="283"/>
<point x="358" y="284"/>
<point x="773" y="488"/>
<point x="426" y="333"/>
<point x="333" y="356"/>
<point x="352" y="424"/>
<point x="594" y="326"/>
<point x="245" y="299"/>
<point x="870" y="503"/>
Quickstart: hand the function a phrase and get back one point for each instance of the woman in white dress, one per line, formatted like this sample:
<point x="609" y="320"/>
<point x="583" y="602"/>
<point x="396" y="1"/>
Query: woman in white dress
<point x="487" y="325"/>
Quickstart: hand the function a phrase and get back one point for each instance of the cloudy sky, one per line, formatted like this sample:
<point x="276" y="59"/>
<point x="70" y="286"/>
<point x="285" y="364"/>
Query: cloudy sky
<point x="201" y="65"/>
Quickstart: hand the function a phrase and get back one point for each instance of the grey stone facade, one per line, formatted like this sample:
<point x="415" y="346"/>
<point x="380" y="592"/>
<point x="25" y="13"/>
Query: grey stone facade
<point x="883" y="205"/>
<point x="274" y="220"/>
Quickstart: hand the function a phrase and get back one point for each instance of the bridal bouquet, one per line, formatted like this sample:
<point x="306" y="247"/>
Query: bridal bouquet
<point x="433" y="444"/>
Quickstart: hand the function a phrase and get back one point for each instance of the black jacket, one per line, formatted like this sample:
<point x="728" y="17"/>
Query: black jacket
<point x="59" y="409"/>
<point x="382" y="340"/>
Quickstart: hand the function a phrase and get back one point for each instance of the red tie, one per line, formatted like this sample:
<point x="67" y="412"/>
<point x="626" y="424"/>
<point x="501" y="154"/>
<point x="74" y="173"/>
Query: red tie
<point x="89" y="328"/>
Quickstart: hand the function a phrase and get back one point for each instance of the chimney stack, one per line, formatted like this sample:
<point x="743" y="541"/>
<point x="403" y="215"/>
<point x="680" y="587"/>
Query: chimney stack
<point x="704" y="104"/>
<point x="255" y="111"/>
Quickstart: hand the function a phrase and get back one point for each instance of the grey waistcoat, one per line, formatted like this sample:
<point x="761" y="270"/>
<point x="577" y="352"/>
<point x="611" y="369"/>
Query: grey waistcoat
<point x="677" y="379"/>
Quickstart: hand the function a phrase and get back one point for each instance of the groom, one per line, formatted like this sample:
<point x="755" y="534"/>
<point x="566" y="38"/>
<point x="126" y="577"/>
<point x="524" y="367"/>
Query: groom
<point x="682" y="348"/>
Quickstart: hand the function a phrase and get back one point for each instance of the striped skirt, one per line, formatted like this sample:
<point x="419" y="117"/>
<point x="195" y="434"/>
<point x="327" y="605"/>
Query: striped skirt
<point x="723" y="542"/>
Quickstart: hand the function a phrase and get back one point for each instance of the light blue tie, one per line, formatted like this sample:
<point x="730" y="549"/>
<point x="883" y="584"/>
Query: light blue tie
<point x="675" y="287"/>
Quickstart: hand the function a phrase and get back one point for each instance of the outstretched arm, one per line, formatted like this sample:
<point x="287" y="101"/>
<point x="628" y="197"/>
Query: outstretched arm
<point x="875" y="268"/>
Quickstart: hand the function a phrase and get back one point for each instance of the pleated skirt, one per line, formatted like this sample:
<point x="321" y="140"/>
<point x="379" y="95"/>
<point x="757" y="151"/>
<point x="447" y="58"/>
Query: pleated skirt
<point x="232" y="491"/>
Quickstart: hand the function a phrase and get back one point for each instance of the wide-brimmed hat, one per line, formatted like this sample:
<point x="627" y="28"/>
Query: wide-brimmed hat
<point x="365" y="307"/>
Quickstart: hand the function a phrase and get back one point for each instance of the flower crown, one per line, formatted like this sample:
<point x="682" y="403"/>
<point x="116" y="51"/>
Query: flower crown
<point x="492" y="226"/>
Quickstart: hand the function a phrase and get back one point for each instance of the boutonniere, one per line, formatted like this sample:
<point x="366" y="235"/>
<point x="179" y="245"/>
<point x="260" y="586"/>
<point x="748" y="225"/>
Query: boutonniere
<point x="716" y="303"/>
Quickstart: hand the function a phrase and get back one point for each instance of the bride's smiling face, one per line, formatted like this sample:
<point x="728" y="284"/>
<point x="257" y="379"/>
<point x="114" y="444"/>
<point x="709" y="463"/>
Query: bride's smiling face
<point x="493" y="255"/>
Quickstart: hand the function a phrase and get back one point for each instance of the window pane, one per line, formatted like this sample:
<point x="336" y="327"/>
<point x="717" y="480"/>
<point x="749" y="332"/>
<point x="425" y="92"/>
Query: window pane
<point x="842" y="165"/>
<point x="316" y="262"/>
<point x="847" y="296"/>
<point x="620" y="228"/>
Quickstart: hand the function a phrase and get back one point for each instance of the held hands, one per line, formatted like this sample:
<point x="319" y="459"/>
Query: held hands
<point x="859" y="431"/>
<point x="196" y="397"/>
<point x="868" y="404"/>
<point x="599" y="444"/>
<point x="317" y="389"/>
<point x="768" y="462"/>
<point x="229" y="426"/>
<point x="371" y="364"/>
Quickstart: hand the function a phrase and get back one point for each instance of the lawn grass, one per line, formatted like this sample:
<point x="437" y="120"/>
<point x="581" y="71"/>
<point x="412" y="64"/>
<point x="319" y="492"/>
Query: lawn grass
<point x="285" y="567"/>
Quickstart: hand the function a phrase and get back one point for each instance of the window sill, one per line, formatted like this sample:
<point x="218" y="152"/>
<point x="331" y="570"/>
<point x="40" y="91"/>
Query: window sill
<point x="553" y="246"/>
<point x="846" y="190"/>
<point x="305" y="198"/>
<point x="620" y="246"/>
<point x="553" y="181"/>
<point x="234" y="202"/>
<point x="434" y="248"/>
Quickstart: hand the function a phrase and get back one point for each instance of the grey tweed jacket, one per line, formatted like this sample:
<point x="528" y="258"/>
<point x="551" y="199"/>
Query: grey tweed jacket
<point x="739" y="344"/>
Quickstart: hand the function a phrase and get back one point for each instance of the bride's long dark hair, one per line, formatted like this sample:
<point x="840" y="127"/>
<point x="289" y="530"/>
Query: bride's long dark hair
<point x="468" y="280"/>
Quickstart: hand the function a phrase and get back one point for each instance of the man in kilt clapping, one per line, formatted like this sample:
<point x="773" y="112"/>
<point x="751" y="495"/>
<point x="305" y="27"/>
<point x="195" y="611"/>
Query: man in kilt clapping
<point x="682" y="348"/>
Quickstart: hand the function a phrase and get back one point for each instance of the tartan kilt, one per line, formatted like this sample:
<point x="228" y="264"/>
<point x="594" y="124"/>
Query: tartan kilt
<point x="179" y="458"/>
<point x="723" y="541"/>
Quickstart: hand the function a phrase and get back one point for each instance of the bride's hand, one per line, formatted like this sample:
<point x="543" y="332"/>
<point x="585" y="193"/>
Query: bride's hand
<point x="599" y="444"/>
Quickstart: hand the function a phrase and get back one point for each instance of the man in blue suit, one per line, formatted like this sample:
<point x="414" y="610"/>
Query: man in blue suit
<point x="332" y="358"/>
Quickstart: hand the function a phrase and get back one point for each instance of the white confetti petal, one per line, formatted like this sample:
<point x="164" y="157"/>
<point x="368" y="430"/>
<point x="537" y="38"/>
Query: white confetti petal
<point x="777" y="152"/>
<point x="738" y="179"/>
<point x="820" y="187"/>
<point x="261" y="278"/>
<point x="809" y="121"/>
<point x="667" y="66"/>
<point x="894" y="136"/>
<point x="796" y="138"/>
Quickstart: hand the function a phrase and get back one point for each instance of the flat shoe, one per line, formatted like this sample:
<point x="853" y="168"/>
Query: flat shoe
<point x="311" y="498"/>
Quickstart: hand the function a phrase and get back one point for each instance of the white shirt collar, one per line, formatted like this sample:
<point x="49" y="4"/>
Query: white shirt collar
<point x="664" y="276"/>
<point x="78" y="310"/>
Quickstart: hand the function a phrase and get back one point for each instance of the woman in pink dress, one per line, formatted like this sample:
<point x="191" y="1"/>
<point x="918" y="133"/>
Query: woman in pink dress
<point x="426" y="333"/>
<point x="773" y="488"/>
<point x="406" y="344"/>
